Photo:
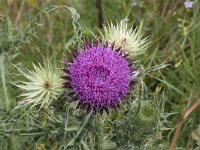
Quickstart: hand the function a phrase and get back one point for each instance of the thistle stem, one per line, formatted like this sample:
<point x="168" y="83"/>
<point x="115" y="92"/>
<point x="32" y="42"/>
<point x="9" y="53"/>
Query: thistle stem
<point x="4" y="102"/>
<point x="99" y="132"/>
<point x="32" y="132"/>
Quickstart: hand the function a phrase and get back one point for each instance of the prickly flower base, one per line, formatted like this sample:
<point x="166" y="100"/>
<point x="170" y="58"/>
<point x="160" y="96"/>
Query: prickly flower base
<point x="131" y="41"/>
<point x="43" y="85"/>
<point x="99" y="76"/>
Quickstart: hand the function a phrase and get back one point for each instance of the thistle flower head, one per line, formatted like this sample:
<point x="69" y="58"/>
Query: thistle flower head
<point x="44" y="85"/>
<point x="99" y="77"/>
<point x="129" y="40"/>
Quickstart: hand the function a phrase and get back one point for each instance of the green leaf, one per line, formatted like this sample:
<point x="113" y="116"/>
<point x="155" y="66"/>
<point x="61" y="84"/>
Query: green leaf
<point x="144" y="91"/>
<point x="154" y="68"/>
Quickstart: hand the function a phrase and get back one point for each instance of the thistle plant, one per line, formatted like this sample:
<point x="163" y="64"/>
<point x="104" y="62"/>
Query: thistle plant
<point x="97" y="77"/>
<point x="44" y="85"/>
<point x="130" y="40"/>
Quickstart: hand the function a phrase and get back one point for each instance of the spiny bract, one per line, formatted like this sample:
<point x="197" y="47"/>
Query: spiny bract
<point x="44" y="85"/>
<point x="129" y="40"/>
<point x="99" y="77"/>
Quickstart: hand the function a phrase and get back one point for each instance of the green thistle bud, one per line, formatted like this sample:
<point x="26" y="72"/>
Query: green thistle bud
<point x="146" y="112"/>
<point x="44" y="85"/>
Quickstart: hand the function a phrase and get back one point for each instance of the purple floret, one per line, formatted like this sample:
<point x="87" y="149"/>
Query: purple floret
<point x="100" y="77"/>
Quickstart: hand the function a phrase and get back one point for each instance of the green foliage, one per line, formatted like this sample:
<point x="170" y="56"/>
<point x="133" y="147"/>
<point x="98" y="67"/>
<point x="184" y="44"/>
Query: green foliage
<point x="5" y="45"/>
<point x="169" y="75"/>
<point x="6" y="35"/>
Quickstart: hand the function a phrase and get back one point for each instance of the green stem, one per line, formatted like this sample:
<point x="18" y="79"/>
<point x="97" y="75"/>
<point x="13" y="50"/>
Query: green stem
<point x="4" y="101"/>
<point x="99" y="130"/>
<point x="32" y="132"/>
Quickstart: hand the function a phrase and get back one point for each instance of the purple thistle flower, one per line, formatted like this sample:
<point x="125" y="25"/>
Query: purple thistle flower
<point x="99" y="76"/>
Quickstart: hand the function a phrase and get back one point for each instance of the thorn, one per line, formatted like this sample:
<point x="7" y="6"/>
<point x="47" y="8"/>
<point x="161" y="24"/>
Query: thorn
<point x="89" y="45"/>
<point x="101" y="111"/>
<point x="121" y="53"/>
<point x="68" y="64"/>
<point x="118" y="49"/>
<point x="65" y="71"/>
<point x="66" y="78"/>
<point x="88" y="108"/>
<point x="129" y="61"/>
<point x="67" y="85"/>
<point x="107" y="110"/>
<point x="124" y="41"/>
<point x="71" y="94"/>
<point x="106" y="44"/>
<point x="78" y="106"/>
<point x="75" y="54"/>
<point x="86" y="45"/>
<point x="126" y="55"/>
<point x="70" y="60"/>
<point x="82" y="106"/>
<point x="132" y="83"/>
<point x="118" y="106"/>
<point x="113" y="45"/>
<point x="94" y="111"/>
<point x="96" y="44"/>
